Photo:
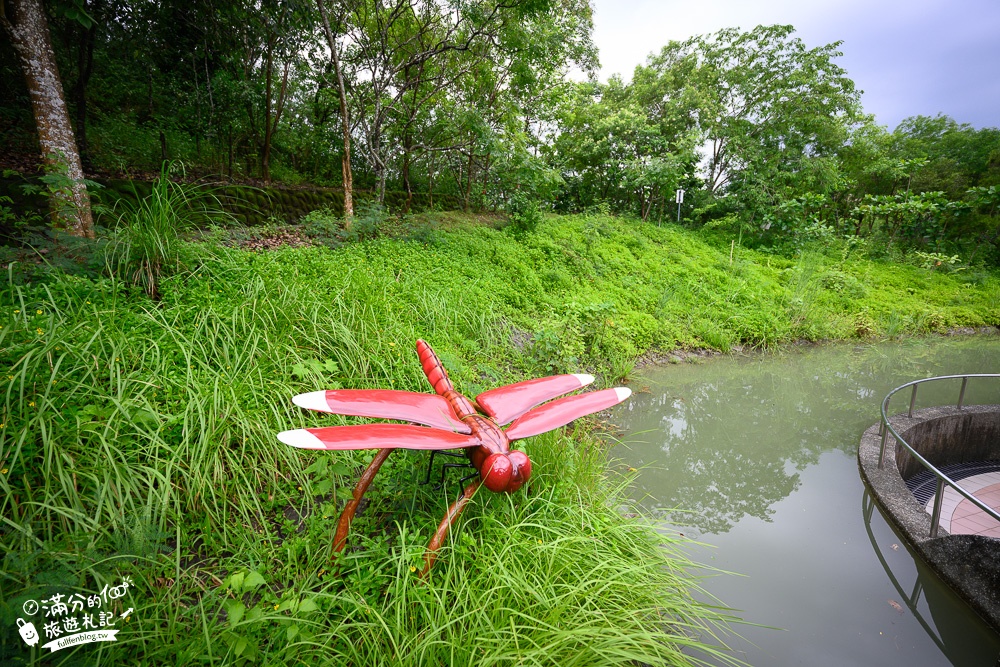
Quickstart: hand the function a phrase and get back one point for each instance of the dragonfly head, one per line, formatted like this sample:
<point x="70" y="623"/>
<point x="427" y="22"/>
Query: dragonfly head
<point x="505" y="472"/>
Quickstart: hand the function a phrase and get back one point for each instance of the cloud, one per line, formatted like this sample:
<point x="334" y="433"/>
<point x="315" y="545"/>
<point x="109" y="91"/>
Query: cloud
<point x="910" y="57"/>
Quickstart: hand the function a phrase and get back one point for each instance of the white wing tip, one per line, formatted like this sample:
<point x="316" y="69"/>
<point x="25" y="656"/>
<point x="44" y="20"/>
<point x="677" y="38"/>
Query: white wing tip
<point x="584" y="378"/>
<point x="314" y="400"/>
<point x="623" y="393"/>
<point x="301" y="438"/>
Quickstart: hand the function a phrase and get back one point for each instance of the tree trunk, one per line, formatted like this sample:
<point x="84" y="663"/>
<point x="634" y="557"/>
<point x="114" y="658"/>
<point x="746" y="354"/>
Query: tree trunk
<point x="265" y="153"/>
<point x="468" y="186"/>
<point x="345" y="160"/>
<point x="271" y="124"/>
<point x="84" y="68"/>
<point x="407" y="147"/>
<point x="486" y="174"/>
<point x="430" y="183"/>
<point x="25" y="23"/>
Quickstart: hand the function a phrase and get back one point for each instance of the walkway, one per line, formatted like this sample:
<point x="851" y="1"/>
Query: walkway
<point x="958" y="515"/>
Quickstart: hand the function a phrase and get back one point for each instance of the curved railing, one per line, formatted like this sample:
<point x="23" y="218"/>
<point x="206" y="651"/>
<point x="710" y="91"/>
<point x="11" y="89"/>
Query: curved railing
<point x="885" y="429"/>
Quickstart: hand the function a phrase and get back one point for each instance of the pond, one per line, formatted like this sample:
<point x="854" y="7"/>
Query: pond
<point x="755" y="458"/>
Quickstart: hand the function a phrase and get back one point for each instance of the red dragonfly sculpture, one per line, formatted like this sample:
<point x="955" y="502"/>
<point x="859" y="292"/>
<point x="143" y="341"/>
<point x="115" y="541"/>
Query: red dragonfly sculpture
<point x="448" y="420"/>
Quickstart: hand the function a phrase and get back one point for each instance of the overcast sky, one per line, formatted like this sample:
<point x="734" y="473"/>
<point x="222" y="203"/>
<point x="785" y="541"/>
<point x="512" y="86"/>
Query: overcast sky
<point x="909" y="57"/>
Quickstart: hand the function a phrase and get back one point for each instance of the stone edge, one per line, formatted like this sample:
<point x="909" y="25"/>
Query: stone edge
<point x="969" y="564"/>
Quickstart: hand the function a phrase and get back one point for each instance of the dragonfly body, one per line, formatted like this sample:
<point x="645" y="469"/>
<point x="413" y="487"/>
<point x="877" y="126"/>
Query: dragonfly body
<point x="449" y="420"/>
<point x="500" y="469"/>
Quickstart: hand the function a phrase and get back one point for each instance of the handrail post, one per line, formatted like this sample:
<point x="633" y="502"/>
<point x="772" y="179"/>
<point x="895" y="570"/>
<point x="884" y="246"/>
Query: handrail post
<point x="881" y="455"/>
<point x="961" y="394"/>
<point x="936" y="515"/>
<point x="913" y="399"/>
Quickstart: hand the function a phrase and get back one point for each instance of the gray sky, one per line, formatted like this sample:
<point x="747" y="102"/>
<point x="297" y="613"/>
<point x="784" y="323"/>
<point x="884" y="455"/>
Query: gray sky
<point x="908" y="56"/>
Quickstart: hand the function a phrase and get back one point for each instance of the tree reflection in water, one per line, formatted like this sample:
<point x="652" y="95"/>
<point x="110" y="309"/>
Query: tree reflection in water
<point x="726" y="438"/>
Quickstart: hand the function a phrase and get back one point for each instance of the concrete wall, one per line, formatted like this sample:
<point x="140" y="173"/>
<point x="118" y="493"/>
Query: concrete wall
<point x="946" y="435"/>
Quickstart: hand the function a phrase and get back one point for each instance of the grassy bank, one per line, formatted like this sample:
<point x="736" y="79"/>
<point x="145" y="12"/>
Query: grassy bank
<point x="138" y="438"/>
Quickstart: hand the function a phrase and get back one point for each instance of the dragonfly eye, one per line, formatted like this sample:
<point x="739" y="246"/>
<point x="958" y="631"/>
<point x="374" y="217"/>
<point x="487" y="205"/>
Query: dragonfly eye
<point x="496" y="472"/>
<point x="506" y="473"/>
<point x="521" y="472"/>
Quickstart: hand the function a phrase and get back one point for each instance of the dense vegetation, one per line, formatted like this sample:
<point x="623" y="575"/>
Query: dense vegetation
<point x="148" y="369"/>
<point x="473" y="100"/>
<point x="138" y="436"/>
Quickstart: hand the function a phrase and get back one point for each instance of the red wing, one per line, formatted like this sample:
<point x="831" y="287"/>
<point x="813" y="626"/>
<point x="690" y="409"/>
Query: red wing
<point x="375" y="436"/>
<point x="505" y="404"/>
<point x="426" y="409"/>
<point x="559" y="413"/>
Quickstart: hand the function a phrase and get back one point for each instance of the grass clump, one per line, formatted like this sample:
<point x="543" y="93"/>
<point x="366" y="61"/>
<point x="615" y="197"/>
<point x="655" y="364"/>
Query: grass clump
<point x="146" y="241"/>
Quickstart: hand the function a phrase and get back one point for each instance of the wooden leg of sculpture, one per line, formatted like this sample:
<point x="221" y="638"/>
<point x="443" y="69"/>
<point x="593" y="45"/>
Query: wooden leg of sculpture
<point x="446" y="523"/>
<point x="344" y="524"/>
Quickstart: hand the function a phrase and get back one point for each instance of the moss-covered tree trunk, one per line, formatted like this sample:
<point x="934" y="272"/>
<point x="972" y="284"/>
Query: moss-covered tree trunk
<point x="25" y="24"/>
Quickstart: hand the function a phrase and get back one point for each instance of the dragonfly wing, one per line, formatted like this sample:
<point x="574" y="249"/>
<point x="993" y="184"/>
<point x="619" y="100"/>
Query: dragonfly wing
<point x="505" y="404"/>
<point x="375" y="436"/>
<point x="426" y="409"/>
<point x="559" y="413"/>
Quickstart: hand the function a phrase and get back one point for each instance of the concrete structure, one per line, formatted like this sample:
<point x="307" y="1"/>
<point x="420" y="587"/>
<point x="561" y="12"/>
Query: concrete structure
<point x="970" y="564"/>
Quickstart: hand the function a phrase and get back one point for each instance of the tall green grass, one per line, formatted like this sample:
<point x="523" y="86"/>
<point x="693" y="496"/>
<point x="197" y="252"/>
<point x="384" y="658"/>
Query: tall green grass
<point x="138" y="439"/>
<point x="146" y="237"/>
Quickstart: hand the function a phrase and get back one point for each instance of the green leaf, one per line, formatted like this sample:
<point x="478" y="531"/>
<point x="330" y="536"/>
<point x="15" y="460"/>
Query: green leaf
<point x="322" y="486"/>
<point x="308" y="605"/>
<point x="253" y="580"/>
<point x="235" y="581"/>
<point x="291" y="632"/>
<point x="319" y="465"/>
<point x="235" y="610"/>
<point x="344" y="493"/>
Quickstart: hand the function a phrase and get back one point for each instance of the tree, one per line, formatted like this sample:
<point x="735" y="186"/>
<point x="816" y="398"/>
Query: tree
<point x="771" y="111"/>
<point x="956" y="155"/>
<point x="616" y="149"/>
<point x="25" y="23"/>
<point x="344" y="115"/>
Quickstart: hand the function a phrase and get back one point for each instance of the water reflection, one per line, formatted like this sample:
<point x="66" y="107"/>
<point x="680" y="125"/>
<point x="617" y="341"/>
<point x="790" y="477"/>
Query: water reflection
<point x="963" y="639"/>
<point x="728" y="440"/>
<point x="756" y="457"/>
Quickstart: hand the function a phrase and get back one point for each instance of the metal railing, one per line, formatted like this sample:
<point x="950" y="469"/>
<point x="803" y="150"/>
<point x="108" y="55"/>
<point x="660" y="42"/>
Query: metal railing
<point x="885" y="428"/>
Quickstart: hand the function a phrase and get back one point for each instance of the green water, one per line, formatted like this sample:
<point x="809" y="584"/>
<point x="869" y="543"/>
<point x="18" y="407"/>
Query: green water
<point x="755" y="457"/>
